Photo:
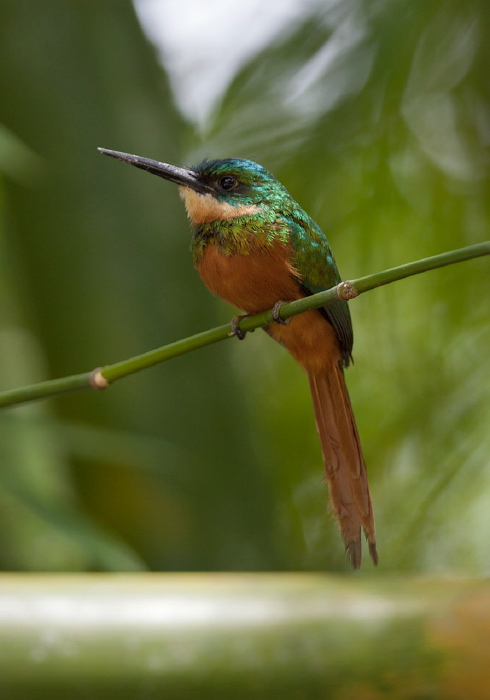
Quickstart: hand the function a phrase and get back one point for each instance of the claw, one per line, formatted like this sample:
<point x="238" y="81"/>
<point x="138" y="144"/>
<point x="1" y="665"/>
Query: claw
<point x="276" y="311"/>
<point x="235" y="330"/>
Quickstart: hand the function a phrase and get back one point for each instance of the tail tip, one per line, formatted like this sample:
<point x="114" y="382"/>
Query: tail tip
<point x="353" y="550"/>
<point x="373" y="553"/>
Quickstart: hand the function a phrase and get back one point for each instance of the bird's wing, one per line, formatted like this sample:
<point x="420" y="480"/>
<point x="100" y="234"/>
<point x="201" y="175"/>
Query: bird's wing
<point x="315" y="263"/>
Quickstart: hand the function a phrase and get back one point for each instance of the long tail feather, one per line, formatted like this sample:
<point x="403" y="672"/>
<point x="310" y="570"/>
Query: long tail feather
<point x="345" y="470"/>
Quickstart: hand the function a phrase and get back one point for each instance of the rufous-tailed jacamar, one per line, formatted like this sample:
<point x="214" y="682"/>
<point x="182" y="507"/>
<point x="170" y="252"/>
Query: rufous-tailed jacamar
<point x="254" y="246"/>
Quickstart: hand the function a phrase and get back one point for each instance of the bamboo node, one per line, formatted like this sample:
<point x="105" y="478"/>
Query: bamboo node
<point x="346" y="291"/>
<point x="97" y="380"/>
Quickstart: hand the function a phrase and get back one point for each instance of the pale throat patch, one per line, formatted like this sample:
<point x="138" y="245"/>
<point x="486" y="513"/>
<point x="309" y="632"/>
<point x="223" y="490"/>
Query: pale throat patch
<point x="202" y="208"/>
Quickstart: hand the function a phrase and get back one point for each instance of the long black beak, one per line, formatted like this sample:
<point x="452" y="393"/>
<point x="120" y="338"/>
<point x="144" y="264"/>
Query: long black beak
<point x="181" y="176"/>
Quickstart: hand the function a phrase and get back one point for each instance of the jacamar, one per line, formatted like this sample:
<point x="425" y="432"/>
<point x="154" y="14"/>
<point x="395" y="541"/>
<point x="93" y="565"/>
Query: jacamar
<point x="255" y="247"/>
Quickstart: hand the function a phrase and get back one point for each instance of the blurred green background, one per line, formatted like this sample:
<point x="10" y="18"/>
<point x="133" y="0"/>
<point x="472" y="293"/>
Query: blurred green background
<point x="376" y="117"/>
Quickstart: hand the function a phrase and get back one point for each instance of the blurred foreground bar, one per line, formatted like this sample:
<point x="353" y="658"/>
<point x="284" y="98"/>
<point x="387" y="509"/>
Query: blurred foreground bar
<point x="243" y="636"/>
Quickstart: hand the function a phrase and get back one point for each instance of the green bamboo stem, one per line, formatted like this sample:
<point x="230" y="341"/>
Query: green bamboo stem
<point x="103" y="377"/>
<point x="243" y="636"/>
<point x="44" y="390"/>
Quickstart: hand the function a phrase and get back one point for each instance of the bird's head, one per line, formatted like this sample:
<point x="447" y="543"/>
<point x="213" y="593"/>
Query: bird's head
<point x="218" y="189"/>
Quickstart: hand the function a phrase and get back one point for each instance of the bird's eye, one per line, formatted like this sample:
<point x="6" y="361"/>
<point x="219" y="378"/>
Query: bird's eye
<point x="228" y="182"/>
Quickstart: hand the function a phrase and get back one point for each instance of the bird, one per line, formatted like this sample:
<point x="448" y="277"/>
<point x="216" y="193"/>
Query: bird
<point x="256" y="248"/>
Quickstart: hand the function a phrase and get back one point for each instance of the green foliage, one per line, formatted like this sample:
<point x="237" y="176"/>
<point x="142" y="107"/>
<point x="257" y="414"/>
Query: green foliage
<point x="375" y="116"/>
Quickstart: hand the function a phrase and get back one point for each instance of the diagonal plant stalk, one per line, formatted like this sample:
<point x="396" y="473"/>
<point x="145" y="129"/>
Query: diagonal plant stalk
<point x="102" y="377"/>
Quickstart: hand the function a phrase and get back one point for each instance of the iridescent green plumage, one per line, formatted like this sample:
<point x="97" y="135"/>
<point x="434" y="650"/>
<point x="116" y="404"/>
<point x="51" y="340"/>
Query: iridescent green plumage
<point x="279" y="218"/>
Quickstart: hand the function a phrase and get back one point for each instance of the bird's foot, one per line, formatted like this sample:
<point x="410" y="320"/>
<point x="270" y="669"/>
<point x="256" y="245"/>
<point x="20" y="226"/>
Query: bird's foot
<point x="276" y="310"/>
<point x="235" y="330"/>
